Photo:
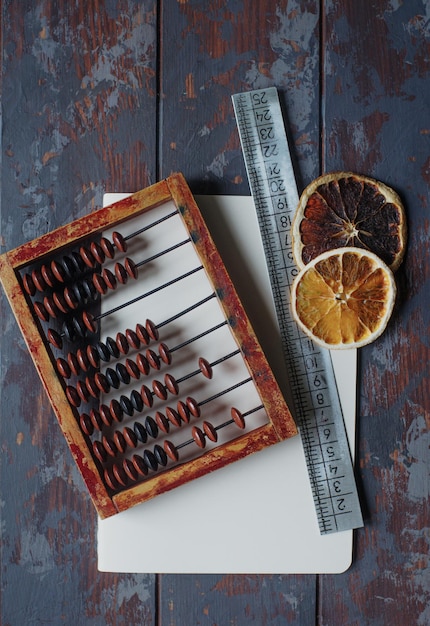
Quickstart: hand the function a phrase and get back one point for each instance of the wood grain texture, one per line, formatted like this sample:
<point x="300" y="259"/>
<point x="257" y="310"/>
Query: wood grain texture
<point x="111" y="96"/>
<point x="377" y="121"/>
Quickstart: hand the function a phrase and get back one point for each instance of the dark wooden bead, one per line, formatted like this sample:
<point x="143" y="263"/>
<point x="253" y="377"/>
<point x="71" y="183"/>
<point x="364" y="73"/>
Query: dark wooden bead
<point x="165" y="354"/>
<point x="198" y="436"/>
<point x="109" y="479"/>
<point x="70" y="298"/>
<point x="132" y="369"/>
<point x="173" y="417"/>
<point x="150" y="460"/>
<point x="93" y="356"/>
<point x="99" y="451"/>
<point x="105" y="414"/>
<point x="87" y="256"/>
<point x="103" y="351"/>
<point x="109" y="446"/>
<point x="88" y="322"/>
<point x="159" y="389"/>
<point x="82" y="391"/>
<point x="142" y="364"/>
<point x="136" y="400"/>
<point x="139" y="464"/>
<point x="28" y="284"/>
<point x="112" y="378"/>
<point x="92" y="387"/>
<point x="50" y="306"/>
<point x="109" y="278"/>
<point x="147" y="396"/>
<point x="119" y="241"/>
<point x="141" y="432"/>
<point x="210" y="431"/>
<point x="73" y="396"/>
<point x="121" y="273"/>
<point x="151" y="427"/>
<point x="73" y="362"/>
<point x="122" y="343"/>
<point x="116" y="410"/>
<point x="96" y="419"/>
<point x="83" y="360"/>
<point x="171" y="450"/>
<point x="123" y="373"/>
<point x="97" y="252"/>
<point x="58" y="271"/>
<point x="131" y="268"/>
<point x="48" y="275"/>
<point x="153" y="359"/>
<point x="63" y="368"/>
<point x="183" y="411"/>
<point x="120" y="475"/>
<point x="60" y="302"/>
<point x="99" y="283"/>
<point x="107" y="247"/>
<point x="120" y="442"/>
<point x="193" y="407"/>
<point x="41" y="311"/>
<point x="205" y="368"/>
<point x="126" y="405"/>
<point x="160" y="455"/>
<point x="130" y="470"/>
<point x="162" y="422"/>
<point x="54" y="338"/>
<point x="171" y="384"/>
<point x="102" y="382"/>
<point x="130" y="437"/>
<point x="132" y="338"/>
<point x="142" y="334"/>
<point x="237" y="417"/>
<point x="112" y="347"/>
<point x="38" y="280"/>
<point x="69" y="330"/>
<point x="86" y="424"/>
<point x="152" y="330"/>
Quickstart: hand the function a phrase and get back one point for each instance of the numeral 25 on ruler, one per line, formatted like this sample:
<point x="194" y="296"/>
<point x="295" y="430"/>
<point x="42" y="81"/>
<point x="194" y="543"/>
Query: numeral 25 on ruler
<point x="311" y="376"/>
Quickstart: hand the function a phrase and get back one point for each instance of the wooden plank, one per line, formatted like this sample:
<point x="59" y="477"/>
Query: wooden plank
<point x="210" y="51"/>
<point x="79" y="110"/>
<point x="377" y="122"/>
<point x="240" y="600"/>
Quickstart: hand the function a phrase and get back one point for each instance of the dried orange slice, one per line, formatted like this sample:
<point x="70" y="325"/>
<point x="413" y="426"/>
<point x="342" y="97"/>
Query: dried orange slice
<point x="344" y="298"/>
<point x="343" y="209"/>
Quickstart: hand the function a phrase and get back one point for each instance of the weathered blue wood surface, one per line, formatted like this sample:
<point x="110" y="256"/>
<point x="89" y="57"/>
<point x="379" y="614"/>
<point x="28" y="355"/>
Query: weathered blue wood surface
<point x="111" y="96"/>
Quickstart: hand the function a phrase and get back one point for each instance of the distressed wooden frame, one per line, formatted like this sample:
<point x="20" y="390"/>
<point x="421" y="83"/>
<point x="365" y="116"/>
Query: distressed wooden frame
<point x="280" y="424"/>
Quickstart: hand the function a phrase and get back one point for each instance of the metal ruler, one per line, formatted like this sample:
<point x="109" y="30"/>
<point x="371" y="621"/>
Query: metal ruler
<point x="311" y="376"/>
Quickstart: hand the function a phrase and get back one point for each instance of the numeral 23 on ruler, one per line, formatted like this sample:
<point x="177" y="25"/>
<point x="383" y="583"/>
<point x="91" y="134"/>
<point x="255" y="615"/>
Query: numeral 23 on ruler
<point x="311" y="376"/>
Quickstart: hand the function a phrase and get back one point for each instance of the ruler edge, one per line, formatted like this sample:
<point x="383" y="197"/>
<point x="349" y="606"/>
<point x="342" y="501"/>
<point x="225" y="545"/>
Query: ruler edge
<point x="349" y="457"/>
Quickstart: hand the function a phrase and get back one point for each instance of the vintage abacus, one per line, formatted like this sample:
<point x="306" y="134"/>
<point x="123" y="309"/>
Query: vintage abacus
<point x="143" y="346"/>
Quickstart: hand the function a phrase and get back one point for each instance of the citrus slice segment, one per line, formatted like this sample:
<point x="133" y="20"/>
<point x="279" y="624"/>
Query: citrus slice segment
<point x="343" y="209"/>
<point x="343" y="298"/>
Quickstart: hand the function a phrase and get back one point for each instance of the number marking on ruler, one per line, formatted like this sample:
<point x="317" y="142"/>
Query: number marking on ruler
<point x="312" y="381"/>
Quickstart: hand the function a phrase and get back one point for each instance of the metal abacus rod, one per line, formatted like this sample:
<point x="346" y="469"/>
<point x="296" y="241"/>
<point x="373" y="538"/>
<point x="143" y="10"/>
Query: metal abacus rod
<point x="79" y="327"/>
<point x="81" y="292"/>
<point x="57" y="272"/>
<point x="131" y="470"/>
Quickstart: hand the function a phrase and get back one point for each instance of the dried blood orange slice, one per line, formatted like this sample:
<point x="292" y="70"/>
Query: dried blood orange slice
<point x="343" y="209"/>
<point x="343" y="298"/>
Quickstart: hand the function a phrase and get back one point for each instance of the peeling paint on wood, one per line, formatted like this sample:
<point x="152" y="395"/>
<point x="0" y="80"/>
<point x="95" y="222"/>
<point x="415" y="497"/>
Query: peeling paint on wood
<point x="95" y="98"/>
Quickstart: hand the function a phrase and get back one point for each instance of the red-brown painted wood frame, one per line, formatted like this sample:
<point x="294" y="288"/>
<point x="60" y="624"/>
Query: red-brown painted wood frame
<point x="280" y="425"/>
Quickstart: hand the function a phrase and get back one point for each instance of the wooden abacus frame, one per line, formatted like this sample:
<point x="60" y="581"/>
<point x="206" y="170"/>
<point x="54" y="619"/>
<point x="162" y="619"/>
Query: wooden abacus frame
<point x="280" y="423"/>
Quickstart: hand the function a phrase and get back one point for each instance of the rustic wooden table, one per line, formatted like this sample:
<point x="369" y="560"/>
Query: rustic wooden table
<point x="112" y="96"/>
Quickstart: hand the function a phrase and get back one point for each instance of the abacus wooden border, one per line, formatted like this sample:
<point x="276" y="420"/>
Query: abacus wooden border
<point x="280" y="425"/>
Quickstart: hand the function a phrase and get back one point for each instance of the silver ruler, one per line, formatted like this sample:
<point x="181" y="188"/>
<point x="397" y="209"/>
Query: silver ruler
<point x="311" y="376"/>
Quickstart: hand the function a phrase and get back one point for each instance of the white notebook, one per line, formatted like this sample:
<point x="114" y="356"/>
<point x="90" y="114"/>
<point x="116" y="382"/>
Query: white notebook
<point x="256" y="515"/>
